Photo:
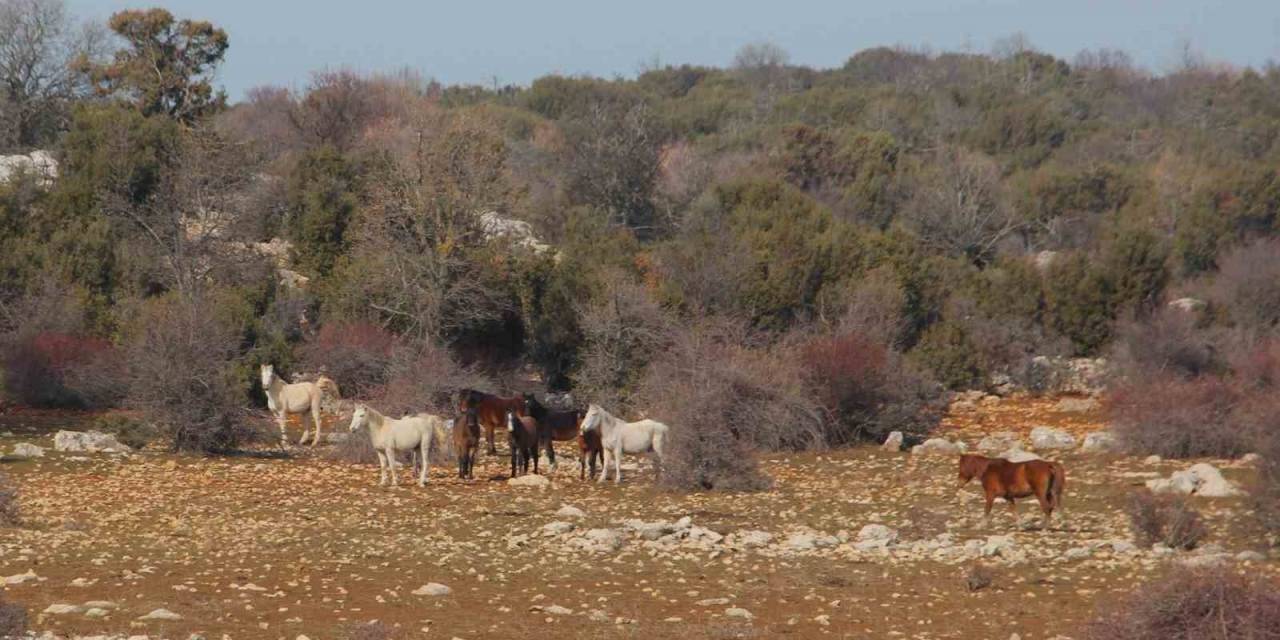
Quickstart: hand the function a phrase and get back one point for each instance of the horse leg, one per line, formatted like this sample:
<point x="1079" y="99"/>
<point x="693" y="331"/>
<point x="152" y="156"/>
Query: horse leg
<point x="617" y="465"/>
<point x="986" y="512"/>
<point x="284" y="440"/>
<point x="382" y="469"/>
<point x="1013" y="511"/>
<point x="488" y="436"/>
<point x="1046" y="507"/>
<point x="315" y="416"/>
<point x="391" y="455"/>
<point x="604" y="472"/>
<point x="426" y="464"/>
<point x="657" y="466"/>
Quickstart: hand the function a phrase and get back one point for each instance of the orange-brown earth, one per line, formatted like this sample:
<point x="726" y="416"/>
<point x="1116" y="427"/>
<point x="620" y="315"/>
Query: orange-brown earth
<point x="260" y="547"/>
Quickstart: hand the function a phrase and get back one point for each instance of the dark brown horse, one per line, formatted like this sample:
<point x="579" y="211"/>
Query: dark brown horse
<point x="1012" y="480"/>
<point x="553" y="426"/>
<point x="491" y="410"/>
<point x="522" y="437"/>
<point x="589" y="448"/>
<point x="466" y="441"/>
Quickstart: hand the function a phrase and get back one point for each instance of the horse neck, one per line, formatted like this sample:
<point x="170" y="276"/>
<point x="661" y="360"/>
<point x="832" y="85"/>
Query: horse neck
<point x="276" y="386"/>
<point x="374" y="421"/>
<point x="609" y="424"/>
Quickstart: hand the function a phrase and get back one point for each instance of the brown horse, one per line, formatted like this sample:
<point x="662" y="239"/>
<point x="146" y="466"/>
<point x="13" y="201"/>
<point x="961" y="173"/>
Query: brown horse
<point x="522" y="434"/>
<point x="553" y="426"/>
<point x="466" y="441"/>
<point x="492" y="411"/>
<point x="589" y="449"/>
<point x="1012" y="480"/>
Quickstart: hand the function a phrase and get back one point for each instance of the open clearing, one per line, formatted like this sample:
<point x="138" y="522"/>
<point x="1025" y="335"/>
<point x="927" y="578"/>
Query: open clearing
<point x="261" y="547"/>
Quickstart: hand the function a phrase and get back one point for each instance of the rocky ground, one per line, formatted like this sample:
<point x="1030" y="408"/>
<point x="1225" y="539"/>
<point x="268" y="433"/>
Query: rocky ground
<point x="852" y="543"/>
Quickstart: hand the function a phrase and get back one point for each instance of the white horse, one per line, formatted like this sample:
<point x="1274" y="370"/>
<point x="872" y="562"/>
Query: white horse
<point x="300" y="397"/>
<point x="619" y="437"/>
<point x="390" y="435"/>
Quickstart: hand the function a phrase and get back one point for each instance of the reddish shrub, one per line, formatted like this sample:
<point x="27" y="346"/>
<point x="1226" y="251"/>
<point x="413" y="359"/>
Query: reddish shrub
<point x="1213" y="604"/>
<point x="1164" y="519"/>
<point x="51" y="368"/>
<point x="866" y="390"/>
<point x="1179" y="418"/>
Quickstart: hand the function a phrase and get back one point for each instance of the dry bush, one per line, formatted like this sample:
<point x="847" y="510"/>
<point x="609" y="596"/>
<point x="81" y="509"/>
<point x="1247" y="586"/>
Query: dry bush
<point x="356" y="355"/>
<point x="874" y="308"/>
<point x="182" y="374"/>
<point x="1178" y="418"/>
<point x="10" y="515"/>
<point x="978" y="577"/>
<point x="1164" y="519"/>
<point x="1168" y="343"/>
<point x="1248" y="285"/>
<point x="1213" y="604"/>
<point x="623" y="328"/>
<point x="13" y="619"/>
<point x="724" y="401"/>
<point x="867" y="390"/>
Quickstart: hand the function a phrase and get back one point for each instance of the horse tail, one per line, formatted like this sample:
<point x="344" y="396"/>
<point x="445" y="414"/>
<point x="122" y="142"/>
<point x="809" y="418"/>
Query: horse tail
<point x="1057" y="484"/>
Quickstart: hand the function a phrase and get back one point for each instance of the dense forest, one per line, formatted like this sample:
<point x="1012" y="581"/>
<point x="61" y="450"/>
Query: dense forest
<point x="788" y="257"/>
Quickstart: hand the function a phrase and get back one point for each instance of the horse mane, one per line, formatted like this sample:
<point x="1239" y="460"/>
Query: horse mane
<point x="536" y="409"/>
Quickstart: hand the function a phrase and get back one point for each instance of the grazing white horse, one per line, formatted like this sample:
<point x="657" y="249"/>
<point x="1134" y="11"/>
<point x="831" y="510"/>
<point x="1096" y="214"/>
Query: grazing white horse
<point x="619" y="437"/>
<point x="300" y="397"/>
<point x="390" y="435"/>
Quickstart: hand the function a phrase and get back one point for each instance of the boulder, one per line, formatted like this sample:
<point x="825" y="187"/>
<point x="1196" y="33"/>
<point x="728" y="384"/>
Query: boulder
<point x="999" y="441"/>
<point x="1210" y="483"/>
<point x="27" y="450"/>
<point x="1201" y="479"/>
<point x="599" y="541"/>
<point x="40" y="164"/>
<point x="87" y="442"/>
<point x="938" y="446"/>
<point x="738" y="612"/>
<point x="1187" y="304"/>
<point x="62" y="609"/>
<point x="557" y="528"/>
<point x="893" y="442"/>
<point x="1099" y="442"/>
<point x="161" y="614"/>
<point x="434" y="589"/>
<point x="1018" y="455"/>
<point x="1050" y="439"/>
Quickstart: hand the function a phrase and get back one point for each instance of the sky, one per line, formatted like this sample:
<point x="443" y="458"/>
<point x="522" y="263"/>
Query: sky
<point x="281" y="42"/>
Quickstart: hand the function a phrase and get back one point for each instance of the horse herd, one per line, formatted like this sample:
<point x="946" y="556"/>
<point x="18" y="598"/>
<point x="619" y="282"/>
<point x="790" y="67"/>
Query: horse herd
<point x="531" y="427"/>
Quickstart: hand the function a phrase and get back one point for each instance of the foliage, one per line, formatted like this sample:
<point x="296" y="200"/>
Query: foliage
<point x="166" y="67"/>
<point x="322" y="198"/>
<point x="13" y="619"/>
<point x="10" y="512"/>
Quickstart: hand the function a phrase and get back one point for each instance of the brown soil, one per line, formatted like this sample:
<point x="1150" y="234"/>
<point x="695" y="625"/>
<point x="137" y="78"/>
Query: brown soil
<point x="261" y="547"/>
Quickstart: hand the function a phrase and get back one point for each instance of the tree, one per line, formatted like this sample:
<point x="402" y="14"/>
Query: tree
<point x="959" y="206"/>
<point x="166" y="67"/>
<point x="322" y="199"/>
<point x="612" y="161"/>
<point x="38" y="42"/>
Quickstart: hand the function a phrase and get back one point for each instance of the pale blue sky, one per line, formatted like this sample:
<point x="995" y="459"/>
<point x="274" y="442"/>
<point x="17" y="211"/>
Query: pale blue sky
<point x="281" y="41"/>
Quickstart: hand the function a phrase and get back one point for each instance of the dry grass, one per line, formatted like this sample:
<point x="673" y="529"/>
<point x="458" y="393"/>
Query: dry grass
<point x="1195" y="605"/>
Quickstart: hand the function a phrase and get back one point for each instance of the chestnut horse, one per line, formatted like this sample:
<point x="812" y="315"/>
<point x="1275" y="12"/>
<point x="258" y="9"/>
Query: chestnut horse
<point x="1012" y="480"/>
<point x="466" y="442"/>
<point x="522" y="437"/>
<point x="589" y="449"/>
<point x="491" y="410"/>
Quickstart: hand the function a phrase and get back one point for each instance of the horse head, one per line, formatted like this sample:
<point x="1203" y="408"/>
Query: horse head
<point x="359" y="417"/>
<point x="268" y="375"/>
<point x="532" y="407"/>
<point x="591" y="421"/>
<point x="511" y="421"/>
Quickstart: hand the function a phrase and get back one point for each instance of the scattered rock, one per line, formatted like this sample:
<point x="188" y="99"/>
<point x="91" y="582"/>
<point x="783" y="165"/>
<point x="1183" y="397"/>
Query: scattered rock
<point x="39" y="163"/>
<point x="1250" y="556"/>
<point x="27" y="450"/>
<point x="938" y="446"/>
<point x="878" y="533"/>
<point x="87" y="442"/>
<point x="1078" y="405"/>
<point x="1099" y="442"/>
<point x="1152" y="459"/>
<point x="161" y="614"/>
<point x="1250" y="459"/>
<point x="712" y="602"/>
<point x="20" y="578"/>
<point x="432" y="589"/>
<point x="598" y="540"/>
<point x="1018" y="455"/>
<point x="570" y="512"/>
<point x="751" y="539"/>
<point x="1000" y="441"/>
<point x="1050" y="439"/>
<point x="557" y="528"/>
<point x="738" y="612"/>
<point x="893" y="442"/>
<point x="62" y="609"/>
<point x="530" y="480"/>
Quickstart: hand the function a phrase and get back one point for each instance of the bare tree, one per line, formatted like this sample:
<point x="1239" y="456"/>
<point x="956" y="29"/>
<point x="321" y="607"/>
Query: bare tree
<point x="959" y="206"/>
<point x="411" y="253"/>
<point x="763" y="66"/>
<point x="38" y="42"/>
